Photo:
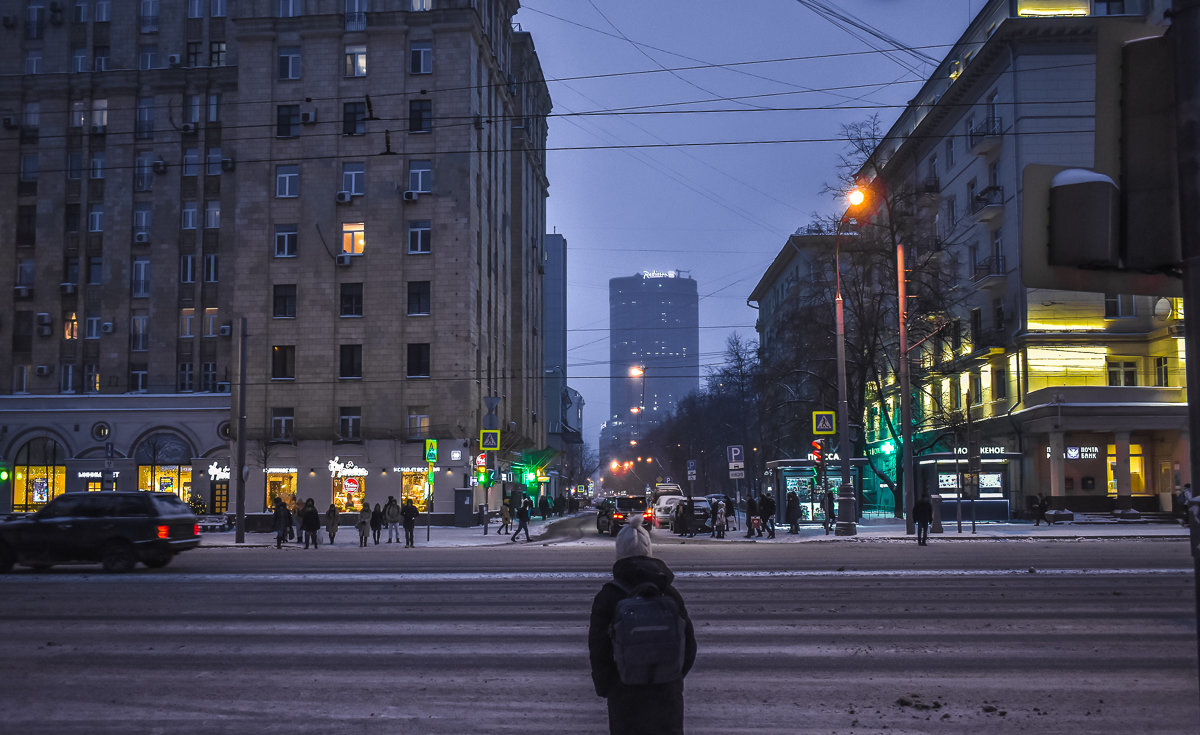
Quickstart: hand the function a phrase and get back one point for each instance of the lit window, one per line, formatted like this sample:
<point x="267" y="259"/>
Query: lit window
<point x="356" y="61"/>
<point x="354" y="238"/>
<point x="1122" y="372"/>
<point x="70" y="325"/>
<point x="187" y="322"/>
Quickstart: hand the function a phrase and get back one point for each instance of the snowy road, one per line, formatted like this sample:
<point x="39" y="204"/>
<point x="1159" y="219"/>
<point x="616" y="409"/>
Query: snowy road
<point x="492" y="640"/>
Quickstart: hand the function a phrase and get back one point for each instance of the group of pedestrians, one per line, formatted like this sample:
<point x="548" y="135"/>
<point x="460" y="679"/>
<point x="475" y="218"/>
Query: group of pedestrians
<point x="303" y="522"/>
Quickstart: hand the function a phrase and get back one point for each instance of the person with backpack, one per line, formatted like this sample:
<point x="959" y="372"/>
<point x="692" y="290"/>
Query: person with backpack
<point x="523" y="513"/>
<point x="640" y="641"/>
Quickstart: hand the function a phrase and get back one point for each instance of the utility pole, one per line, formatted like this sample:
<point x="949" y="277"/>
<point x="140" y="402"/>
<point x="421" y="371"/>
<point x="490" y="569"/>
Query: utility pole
<point x="239" y="535"/>
<point x="906" y="458"/>
<point x="1185" y="40"/>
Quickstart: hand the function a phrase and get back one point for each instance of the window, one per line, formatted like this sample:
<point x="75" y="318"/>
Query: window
<point x="286" y="241"/>
<point x="350" y="362"/>
<point x="193" y="106"/>
<point x="956" y="402"/>
<point x="420" y="176"/>
<point x="208" y="376"/>
<point x="80" y="14"/>
<point x="212" y="263"/>
<point x="33" y="62"/>
<point x="195" y="8"/>
<point x="191" y="162"/>
<point x="139" y="336"/>
<point x="350" y="423"/>
<point x="79" y="60"/>
<point x="975" y="388"/>
<point x="282" y="424"/>
<point x="66" y="378"/>
<point x="187" y="215"/>
<point x="91" y="378"/>
<point x="187" y="322"/>
<point x="100" y="58"/>
<point x="29" y="167"/>
<point x="291" y="8"/>
<point x="96" y="168"/>
<point x="185" y="378"/>
<point x="142" y="219"/>
<point x="420" y="235"/>
<point x="420" y="57"/>
<point x="283" y="362"/>
<point x="70" y="325"/>
<point x="95" y="218"/>
<point x="354" y="238"/>
<point x="356" y="61"/>
<point x="418" y="298"/>
<point x="27" y="224"/>
<point x="21" y="378"/>
<point x="35" y="22"/>
<point x="354" y="118"/>
<point x="354" y="178"/>
<point x="139" y="379"/>
<point x="143" y="172"/>
<point x="418" y="360"/>
<point x="144" y="124"/>
<point x="285" y="301"/>
<point x="139" y="286"/>
<point x="422" y="5"/>
<point x="1122" y="372"/>
<point x="351" y="299"/>
<point x="99" y="113"/>
<point x="213" y="162"/>
<point x="78" y="113"/>
<point x="216" y="53"/>
<point x="212" y="214"/>
<point x="192" y="56"/>
<point x="74" y="165"/>
<point x="418" y="422"/>
<point x="949" y="153"/>
<point x="95" y="270"/>
<point x="1161" y="372"/>
<point x="287" y="121"/>
<point x="187" y="268"/>
<point x="999" y="383"/>
<point x="356" y="15"/>
<point x="287" y="181"/>
<point x="211" y="326"/>
<point x="216" y="8"/>
<point x="420" y="116"/>
<point x="289" y="62"/>
<point x="148" y="57"/>
<point x="214" y="107"/>
<point x="1118" y="306"/>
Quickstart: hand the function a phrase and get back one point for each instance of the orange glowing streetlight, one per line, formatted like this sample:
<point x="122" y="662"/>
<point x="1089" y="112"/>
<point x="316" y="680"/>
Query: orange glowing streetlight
<point x="856" y="197"/>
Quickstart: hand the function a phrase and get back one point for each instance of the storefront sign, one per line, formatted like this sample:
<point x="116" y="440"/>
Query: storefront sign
<point x="455" y="455"/>
<point x="218" y="474"/>
<point x="983" y="451"/>
<point x="658" y="274"/>
<point x="94" y="475"/>
<point x="280" y="470"/>
<point x="338" y="468"/>
<point x="1078" y="453"/>
<point x="421" y="470"/>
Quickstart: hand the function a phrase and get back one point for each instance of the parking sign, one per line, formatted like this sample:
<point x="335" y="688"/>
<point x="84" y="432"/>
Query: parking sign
<point x="735" y="453"/>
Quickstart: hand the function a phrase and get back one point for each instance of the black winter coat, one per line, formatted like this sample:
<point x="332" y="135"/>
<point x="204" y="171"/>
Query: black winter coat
<point x="409" y="514"/>
<point x="751" y="507"/>
<point x="655" y="709"/>
<point x="310" y="520"/>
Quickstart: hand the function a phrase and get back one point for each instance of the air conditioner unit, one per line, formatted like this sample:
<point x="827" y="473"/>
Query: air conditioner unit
<point x="160" y="166"/>
<point x="222" y="387"/>
<point x="141" y="237"/>
<point x="308" y="117"/>
<point x="43" y="318"/>
<point x="43" y="370"/>
<point x="411" y="196"/>
<point x="343" y="197"/>
<point x="227" y="164"/>
<point x="106" y="327"/>
<point x="188" y="128"/>
<point x="67" y="288"/>
<point x="343" y="258"/>
<point x="10" y="122"/>
<point x="225" y="330"/>
<point x="174" y="60"/>
<point x="21" y="292"/>
<point x="98" y="129"/>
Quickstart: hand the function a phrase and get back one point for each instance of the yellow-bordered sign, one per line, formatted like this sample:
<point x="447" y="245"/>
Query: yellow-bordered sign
<point x="824" y="422"/>
<point x="489" y="440"/>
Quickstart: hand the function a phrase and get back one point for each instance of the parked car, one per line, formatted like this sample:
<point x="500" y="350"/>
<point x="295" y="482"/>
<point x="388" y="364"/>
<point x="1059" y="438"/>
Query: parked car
<point x="699" y="518"/>
<point x="616" y="512"/>
<point x="664" y="510"/>
<point x="116" y="529"/>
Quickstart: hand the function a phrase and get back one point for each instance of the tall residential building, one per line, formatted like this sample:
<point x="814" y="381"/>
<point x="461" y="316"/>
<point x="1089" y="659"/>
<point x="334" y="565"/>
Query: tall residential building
<point x="563" y="412"/>
<point x="1075" y="394"/>
<point x="364" y="182"/>
<point x="654" y="352"/>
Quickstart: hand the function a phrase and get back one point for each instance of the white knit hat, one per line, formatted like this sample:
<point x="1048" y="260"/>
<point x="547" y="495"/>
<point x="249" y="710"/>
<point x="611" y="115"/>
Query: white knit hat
<point x="633" y="540"/>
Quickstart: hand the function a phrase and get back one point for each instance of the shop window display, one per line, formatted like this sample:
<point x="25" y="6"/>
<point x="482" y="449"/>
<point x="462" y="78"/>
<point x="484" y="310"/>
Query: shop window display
<point x="37" y="475"/>
<point x="166" y="479"/>
<point x="281" y="485"/>
<point x="415" y="487"/>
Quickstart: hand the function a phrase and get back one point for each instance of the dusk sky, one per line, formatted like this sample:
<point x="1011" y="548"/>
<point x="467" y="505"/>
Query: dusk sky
<point x="629" y="198"/>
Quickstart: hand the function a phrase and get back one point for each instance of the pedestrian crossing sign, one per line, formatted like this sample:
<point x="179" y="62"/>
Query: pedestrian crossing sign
<point x="824" y="422"/>
<point x="489" y="440"/>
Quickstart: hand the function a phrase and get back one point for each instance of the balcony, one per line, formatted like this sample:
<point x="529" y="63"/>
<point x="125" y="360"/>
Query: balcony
<point x="985" y="136"/>
<point x="989" y="272"/>
<point x="988" y="204"/>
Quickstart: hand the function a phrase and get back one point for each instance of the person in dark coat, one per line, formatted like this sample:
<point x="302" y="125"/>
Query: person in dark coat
<point x="310" y="522"/>
<point x="829" y="510"/>
<point x="408" y="515"/>
<point x="751" y="511"/>
<point x="544" y="507"/>
<point x="791" y="511"/>
<point x="1039" y="512"/>
<point x="650" y="709"/>
<point x="767" y="507"/>
<point x="333" y="518"/>
<point x="523" y="513"/>
<point x="376" y="522"/>
<point x="281" y="521"/>
<point x="922" y="516"/>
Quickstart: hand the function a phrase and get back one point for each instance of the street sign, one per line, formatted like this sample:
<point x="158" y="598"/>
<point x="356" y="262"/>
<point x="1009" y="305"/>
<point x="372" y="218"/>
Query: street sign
<point x="692" y="475"/>
<point x="481" y="460"/>
<point x="824" y="422"/>
<point x="735" y="453"/>
<point x="489" y="440"/>
<point x="737" y="474"/>
<point x="691" y="465"/>
<point x="737" y="465"/>
<point x="431" y="450"/>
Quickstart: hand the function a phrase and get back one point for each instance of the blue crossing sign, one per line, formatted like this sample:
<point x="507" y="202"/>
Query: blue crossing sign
<point x="824" y="422"/>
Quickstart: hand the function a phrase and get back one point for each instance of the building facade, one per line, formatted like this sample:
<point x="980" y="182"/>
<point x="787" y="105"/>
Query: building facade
<point x="1073" y="390"/>
<point x="363" y="182"/>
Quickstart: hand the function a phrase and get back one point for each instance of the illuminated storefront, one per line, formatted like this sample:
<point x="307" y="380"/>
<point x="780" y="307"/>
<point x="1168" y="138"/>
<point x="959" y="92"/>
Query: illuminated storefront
<point x="349" y="484"/>
<point x="414" y="485"/>
<point x="164" y="465"/>
<point x="218" y="488"/>
<point x="38" y="474"/>
<point x="281" y="485"/>
<point x="1137" y="470"/>
<point x="168" y="478"/>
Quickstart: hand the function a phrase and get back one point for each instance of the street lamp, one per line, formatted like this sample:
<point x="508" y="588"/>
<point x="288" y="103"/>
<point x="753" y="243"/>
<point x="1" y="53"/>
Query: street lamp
<point x="847" y="512"/>
<point x="639" y="371"/>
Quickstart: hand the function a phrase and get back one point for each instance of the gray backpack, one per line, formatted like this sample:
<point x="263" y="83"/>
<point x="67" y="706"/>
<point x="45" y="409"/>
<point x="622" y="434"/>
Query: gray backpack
<point x="648" y="636"/>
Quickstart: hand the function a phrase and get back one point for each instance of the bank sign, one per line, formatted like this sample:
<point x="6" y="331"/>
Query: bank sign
<point x="1078" y="453"/>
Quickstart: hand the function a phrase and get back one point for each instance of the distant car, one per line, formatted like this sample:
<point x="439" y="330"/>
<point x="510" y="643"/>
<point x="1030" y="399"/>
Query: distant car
<point x="664" y="510"/>
<point x="616" y="512"/>
<point x="116" y="529"/>
<point x="699" y="518"/>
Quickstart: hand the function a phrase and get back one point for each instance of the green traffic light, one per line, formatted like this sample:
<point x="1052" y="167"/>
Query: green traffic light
<point x="3" y="475"/>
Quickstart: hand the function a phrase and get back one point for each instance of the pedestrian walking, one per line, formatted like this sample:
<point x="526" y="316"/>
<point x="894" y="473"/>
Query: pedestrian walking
<point x="1039" y="513"/>
<point x="332" y="520"/>
<point x="730" y="515"/>
<point x="295" y="506"/>
<point x="791" y="511"/>
<point x="391" y="516"/>
<point x="310" y="522"/>
<point x="363" y="524"/>
<point x="408" y="515"/>
<point x="544" y="507"/>
<point x="281" y="522"/>
<point x="829" y="510"/>
<point x="713" y="512"/>
<point x="720" y="519"/>
<point x="523" y="513"/>
<point x="751" y="513"/>
<point x="376" y="523"/>
<point x="505" y="519"/>
<point x="767" y="508"/>
<point x="689" y="517"/>
<point x="1185" y="497"/>
<point x="923" y="516"/>
<point x="642" y="678"/>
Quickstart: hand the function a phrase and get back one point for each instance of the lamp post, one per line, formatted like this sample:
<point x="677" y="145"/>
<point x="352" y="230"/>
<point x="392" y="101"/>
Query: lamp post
<point x="847" y="512"/>
<point x="639" y="371"/>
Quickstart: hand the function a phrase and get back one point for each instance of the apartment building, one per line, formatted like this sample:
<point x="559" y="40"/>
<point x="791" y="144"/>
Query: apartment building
<point x="363" y="182"/>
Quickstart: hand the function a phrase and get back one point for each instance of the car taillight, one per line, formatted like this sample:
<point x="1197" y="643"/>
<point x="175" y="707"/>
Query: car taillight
<point x="618" y="515"/>
<point x="648" y="513"/>
<point x="164" y="532"/>
<point x="196" y="530"/>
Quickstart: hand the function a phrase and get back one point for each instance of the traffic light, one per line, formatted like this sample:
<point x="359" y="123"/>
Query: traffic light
<point x="484" y="476"/>
<point x="818" y="453"/>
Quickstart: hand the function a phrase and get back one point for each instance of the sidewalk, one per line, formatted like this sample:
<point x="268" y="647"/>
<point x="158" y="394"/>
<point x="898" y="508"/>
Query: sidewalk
<point x="347" y="537"/>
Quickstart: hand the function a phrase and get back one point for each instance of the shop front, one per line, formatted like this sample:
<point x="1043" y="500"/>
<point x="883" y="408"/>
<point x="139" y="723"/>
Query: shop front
<point x="281" y="485"/>
<point x="39" y="474"/>
<point x="415" y="485"/>
<point x="349" y="484"/>
<point x="801" y="476"/>
<point x="1094" y="467"/>
<point x="986" y="495"/>
<point x="217" y="500"/>
<point x="164" y="464"/>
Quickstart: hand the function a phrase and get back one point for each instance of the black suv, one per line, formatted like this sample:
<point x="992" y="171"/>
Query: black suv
<point x="616" y="512"/>
<point x="117" y="529"/>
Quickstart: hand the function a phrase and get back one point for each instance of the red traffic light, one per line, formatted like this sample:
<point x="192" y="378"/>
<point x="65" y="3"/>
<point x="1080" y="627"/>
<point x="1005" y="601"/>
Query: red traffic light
<point x="818" y="452"/>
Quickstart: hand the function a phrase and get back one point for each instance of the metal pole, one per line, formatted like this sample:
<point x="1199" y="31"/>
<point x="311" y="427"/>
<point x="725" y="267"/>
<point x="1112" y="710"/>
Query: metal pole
<point x="1185" y="34"/>
<point x="846" y="512"/>
<point x="906" y="461"/>
<point x="240" y="507"/>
